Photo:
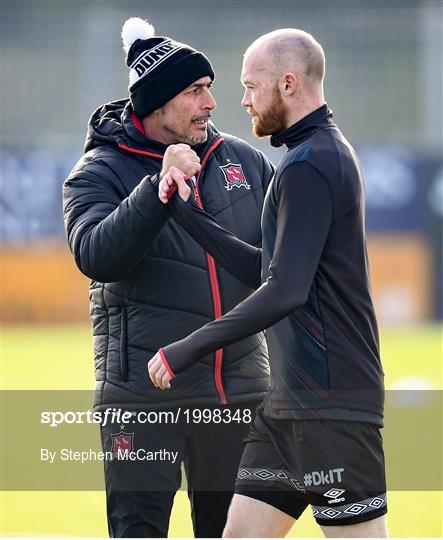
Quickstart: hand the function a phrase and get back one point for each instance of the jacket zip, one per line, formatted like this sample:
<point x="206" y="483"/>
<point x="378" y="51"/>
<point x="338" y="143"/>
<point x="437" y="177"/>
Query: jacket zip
<point x="215" y="288"/>
<point x="214" y="285"/>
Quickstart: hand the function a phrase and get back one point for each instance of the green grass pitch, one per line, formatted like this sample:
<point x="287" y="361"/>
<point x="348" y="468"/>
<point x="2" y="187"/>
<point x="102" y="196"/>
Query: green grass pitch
<point x="60" y="357"/>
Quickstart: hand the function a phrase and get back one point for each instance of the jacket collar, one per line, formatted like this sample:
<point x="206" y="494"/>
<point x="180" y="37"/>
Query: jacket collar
<point x="298" y="132"/>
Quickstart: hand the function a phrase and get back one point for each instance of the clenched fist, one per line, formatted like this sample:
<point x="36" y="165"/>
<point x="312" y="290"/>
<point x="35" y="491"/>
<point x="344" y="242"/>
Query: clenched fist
<point x="182" y="157"/>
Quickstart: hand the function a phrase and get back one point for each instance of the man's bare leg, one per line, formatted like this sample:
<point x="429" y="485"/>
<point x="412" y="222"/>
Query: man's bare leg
<point x="375" y="528"/>
<point x="251" y="518"/>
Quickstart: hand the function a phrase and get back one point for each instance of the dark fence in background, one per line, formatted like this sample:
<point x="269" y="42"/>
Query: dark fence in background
<point x="61" y="60"/>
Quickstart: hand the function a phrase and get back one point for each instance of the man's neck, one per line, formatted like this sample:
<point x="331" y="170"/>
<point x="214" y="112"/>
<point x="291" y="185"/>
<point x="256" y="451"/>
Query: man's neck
<point x="154" y="132"/>
<point x="303" y="109"/>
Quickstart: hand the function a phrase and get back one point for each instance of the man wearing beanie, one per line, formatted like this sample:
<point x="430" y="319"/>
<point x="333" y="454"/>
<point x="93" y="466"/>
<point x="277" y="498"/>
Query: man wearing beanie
<point x="151" y="285"/>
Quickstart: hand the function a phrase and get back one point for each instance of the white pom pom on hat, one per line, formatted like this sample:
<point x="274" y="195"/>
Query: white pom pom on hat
<point x="135" y="28"/>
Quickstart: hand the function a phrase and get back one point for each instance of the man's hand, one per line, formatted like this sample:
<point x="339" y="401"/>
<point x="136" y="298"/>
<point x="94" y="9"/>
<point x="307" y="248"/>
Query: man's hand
<point x="183" y="157"/>
<point x="174" y="177"/>
<point x="158" y="373"/>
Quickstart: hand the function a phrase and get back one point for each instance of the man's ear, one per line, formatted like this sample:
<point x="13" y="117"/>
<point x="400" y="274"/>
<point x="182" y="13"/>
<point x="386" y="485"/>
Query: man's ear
<point x="288" y="84"/>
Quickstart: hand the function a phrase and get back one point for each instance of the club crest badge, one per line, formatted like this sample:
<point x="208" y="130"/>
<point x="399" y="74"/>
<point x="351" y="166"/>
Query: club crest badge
<point x="122" y="442"/>
<point x="234" y="176"/>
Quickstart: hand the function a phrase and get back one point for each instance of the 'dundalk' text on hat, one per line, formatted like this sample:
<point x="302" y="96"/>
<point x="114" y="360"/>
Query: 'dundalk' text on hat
<point x="160" y="68"/>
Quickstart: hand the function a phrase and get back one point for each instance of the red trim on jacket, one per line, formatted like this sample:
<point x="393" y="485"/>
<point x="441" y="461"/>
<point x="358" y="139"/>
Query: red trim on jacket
<point x="166" y="363"/>
<point x="214" y="287"/>
<point x="137" y="123"/>
<point x="209" y="152"/>
<point x="143" y="152"/>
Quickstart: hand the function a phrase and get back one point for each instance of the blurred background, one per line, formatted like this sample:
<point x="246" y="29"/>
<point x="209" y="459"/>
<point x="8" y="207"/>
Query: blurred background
<point x="60" y="60"/>
<point x="63" y="59"/>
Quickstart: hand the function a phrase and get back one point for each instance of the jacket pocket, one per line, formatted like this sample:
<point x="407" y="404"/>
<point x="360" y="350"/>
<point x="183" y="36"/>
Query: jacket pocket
<point x="124" y="344"/>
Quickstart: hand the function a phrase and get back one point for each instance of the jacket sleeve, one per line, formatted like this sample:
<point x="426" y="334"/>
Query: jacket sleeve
<point x="304" y="217"/>
<point x="108" y="234"/>
<point x="239" y="258"/>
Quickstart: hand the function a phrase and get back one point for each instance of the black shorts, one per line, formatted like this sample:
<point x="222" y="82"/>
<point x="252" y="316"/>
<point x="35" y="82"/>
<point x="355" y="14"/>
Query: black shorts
<point x="336" y="466"/>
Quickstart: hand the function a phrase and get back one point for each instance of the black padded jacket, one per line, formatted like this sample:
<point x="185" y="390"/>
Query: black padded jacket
<point x="151" y="283"/>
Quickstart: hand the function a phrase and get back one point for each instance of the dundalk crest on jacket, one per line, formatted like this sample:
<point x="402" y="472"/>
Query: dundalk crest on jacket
<point x="234" y="176"/>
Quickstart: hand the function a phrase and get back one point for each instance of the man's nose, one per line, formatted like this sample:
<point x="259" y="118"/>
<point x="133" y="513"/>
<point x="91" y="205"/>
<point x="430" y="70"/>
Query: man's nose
<point x="246" y="99"/>
<point x="210" y="102"/>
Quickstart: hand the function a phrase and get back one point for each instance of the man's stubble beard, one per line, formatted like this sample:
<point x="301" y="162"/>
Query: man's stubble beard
<point x="197" y="140"/>
<point x="186" y="139"/>
<point x="273" y="120"/>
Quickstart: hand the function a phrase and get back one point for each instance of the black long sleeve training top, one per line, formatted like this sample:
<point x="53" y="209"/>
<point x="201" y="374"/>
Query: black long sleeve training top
<point x="314" y="299"/>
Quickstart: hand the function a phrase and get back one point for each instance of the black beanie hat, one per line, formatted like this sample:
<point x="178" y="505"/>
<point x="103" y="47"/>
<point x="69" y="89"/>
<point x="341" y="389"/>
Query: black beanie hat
<point x="160" y="68"/>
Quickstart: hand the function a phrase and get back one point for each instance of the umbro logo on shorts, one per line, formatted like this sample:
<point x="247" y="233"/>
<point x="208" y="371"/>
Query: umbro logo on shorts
<point x="334" y="495"/>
